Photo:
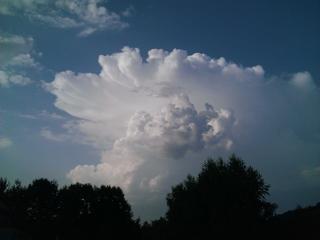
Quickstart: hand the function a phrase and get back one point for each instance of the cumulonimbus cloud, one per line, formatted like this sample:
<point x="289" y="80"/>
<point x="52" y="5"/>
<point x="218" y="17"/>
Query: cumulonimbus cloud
<point x="157" y="119"/>
<point x="168" y="134"/>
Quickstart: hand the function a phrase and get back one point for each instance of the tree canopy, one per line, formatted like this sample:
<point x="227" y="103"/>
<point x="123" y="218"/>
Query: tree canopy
<point x="79" y="211"/>
<point x="226" y="197"/>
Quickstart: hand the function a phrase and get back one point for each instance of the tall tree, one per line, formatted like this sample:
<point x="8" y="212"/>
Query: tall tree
<point x="225" y="198"/>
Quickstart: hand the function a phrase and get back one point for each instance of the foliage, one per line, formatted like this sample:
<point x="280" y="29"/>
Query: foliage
<point x="226" y="197"/>
<point x="78" y="211"/>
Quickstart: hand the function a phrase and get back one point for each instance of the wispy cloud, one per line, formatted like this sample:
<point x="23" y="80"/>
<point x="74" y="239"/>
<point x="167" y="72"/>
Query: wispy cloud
<point x="13" y="79"/>
<point x="49" y="135"/>
<point x="12" y="46"/>
<point x="87" y="15"/>
<point x="312" y="172"/>
<point x="42" y="115"/>
<point x="23" y="60"/>
<point x="5" y="142"/>
<point x="16" y="57"/>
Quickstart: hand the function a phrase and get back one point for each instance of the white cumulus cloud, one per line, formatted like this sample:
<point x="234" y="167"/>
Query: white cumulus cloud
<point x="176" y="129"/>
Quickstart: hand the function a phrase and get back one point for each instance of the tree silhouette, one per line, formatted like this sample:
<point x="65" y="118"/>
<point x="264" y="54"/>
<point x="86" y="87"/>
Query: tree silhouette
<point x="4" y="184"/>
<point x="301" y="223"/>
<point x="87" y="212"/>
<point x="155" y="230"/>
<point x="4" y="213"/>
<point x="79" y="211"/>
<point x="41" y="197"/>
<point x="224" y="199"/>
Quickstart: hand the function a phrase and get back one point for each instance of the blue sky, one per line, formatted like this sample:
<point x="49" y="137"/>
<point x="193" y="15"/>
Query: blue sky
<point x="66" y="116"/>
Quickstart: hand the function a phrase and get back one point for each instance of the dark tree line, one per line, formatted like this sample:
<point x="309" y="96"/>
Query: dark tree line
<point x="226" y="199"/>
<point x="79" y="211"/>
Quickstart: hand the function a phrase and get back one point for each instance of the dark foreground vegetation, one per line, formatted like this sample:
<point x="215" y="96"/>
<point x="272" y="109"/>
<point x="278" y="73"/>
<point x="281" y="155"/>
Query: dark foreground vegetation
<point x="227" y="199"/>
